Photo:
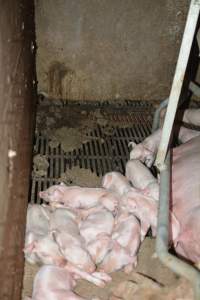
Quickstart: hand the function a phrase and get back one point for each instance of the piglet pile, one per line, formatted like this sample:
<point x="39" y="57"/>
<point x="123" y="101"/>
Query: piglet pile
<point x="90" y="232"/>
<point x="80" y="229"/>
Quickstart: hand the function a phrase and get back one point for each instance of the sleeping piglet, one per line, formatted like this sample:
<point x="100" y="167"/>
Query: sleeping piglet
<point x="147" y="149"/>
<point x="117" y="259"/>
<point x="142" y="178"/>
<point x="127" y="233"/>
<point x="146" y="210"/>
<point x="79" y="197"/>
<point x="116" y="182"/>
<point x="66" y="234"/>
<point x="37" y="227"/>
<point x="52" y="282"/>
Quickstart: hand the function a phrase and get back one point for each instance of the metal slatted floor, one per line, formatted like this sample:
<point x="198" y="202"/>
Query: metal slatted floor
<point x="101" y="157"/>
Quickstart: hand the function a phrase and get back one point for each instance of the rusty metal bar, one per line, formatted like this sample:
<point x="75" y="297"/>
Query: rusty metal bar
<point x="17" y="110"/>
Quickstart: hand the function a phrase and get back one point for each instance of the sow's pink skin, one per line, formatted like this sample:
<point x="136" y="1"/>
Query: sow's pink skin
<point x="186" y="197"/>
<point x="142" y="178"/>
<point x="78" y="197"/>
<point x="186" y="134"/>
<point x="192" y="116"/>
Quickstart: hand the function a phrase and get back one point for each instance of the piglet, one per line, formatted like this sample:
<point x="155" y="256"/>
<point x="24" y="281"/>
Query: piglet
<point x="127" y="233"/>
<point x="97" y="278"/>
<point x="66" y="234"/>
<point x="116" y="182"/>
<point x="146" y="210"/>
<point x="117" y="259"/>
<point x="54" y="283"/>
<point x="45" y="251"/>
<point x="95" y="224"/>
<point x="142" y="178"/>
<point x="63" y="219"/>
<point x="74" y="251"/>
<point x="37" y="218"/>
<point x="37" y="227"/>
<point x="147" y="149"/>
<point x="79" y="197"/>
<point x="99" y="247"/>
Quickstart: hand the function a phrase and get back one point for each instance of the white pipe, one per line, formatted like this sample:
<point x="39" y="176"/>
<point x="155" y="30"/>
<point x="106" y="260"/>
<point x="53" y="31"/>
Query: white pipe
<point x="178" y="81"/>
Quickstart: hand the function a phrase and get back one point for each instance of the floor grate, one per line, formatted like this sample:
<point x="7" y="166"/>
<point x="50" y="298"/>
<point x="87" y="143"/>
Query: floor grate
<point x="100" y="157"/>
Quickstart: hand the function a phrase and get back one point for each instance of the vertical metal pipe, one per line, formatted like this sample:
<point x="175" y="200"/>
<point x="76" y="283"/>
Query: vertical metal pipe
<point x="178" y="80"/>
<point x="175" y="264"/>
<point x="156" y="117"/>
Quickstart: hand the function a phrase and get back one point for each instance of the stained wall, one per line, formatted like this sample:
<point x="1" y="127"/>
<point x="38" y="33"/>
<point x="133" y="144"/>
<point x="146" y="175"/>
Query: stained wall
<point x="108" y="49"/>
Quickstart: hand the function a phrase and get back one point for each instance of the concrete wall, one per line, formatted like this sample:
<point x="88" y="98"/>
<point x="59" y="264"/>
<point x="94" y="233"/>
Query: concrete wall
<point x="108" y="49"/>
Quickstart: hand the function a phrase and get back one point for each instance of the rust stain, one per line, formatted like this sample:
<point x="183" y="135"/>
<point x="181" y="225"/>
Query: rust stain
<point x="56" y="74"/>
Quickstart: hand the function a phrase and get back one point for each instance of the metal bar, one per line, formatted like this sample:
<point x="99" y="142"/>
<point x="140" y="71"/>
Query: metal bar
<point x="156" y="117"/>
<point x="178" y="81"/>
<point x="175" y="264"/>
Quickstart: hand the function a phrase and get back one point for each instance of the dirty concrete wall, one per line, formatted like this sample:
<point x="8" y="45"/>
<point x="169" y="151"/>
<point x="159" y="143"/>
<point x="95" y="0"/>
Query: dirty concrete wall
<point x="108" y="49"/>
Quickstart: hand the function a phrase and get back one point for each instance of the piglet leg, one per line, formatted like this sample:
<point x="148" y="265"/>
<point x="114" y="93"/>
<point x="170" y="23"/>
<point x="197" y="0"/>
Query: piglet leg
<point x="82" y="274"/>
<point x="144" y="229"/>
<point x="102" y="276"/>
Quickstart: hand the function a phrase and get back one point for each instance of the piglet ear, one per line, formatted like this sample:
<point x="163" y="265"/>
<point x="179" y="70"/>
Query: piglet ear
<point x="132" y="144"/>
<point x="63" y="184"/>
